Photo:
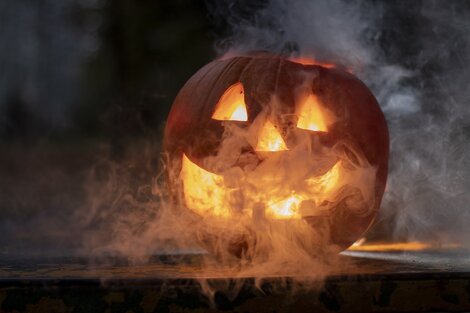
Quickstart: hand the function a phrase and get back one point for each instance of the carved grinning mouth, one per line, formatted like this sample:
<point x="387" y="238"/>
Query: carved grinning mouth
<point x="237" y="192"/>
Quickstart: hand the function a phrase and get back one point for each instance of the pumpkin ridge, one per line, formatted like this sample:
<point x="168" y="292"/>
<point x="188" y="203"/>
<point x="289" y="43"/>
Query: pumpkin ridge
<point x="276" y="83"/>
<point x="218" y="76"/>
<point x="201" y="79"/>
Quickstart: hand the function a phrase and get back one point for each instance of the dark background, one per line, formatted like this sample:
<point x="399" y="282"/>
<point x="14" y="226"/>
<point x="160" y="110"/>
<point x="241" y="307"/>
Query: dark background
<point x="96" y="68"/>
<point x="86" y="85"/>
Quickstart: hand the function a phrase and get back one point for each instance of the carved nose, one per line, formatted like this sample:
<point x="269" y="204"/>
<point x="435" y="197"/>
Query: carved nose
<point x="269" y="139"/>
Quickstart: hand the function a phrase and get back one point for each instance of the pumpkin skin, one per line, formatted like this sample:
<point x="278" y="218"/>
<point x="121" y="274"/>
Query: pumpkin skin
<point x="359" y="121"/>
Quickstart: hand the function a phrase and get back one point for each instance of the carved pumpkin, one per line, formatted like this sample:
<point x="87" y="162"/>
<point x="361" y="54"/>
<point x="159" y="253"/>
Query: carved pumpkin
<point x="263" y="135"/>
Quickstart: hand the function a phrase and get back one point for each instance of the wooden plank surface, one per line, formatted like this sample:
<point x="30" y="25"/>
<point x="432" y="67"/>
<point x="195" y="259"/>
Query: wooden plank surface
<point x="363" y="281"/>
<point x="187" y="266"/>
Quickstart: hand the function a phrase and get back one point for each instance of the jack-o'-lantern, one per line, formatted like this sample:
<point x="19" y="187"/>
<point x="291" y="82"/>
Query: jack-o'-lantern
<point x="265" y="136"/>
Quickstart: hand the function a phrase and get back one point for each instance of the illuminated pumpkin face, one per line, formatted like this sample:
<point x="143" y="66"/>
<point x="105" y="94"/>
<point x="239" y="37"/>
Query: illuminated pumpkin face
<point x="265" y="136"/>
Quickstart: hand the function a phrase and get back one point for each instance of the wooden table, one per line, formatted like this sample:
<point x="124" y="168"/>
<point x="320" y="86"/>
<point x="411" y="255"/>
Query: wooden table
<point x="364" y="281"/>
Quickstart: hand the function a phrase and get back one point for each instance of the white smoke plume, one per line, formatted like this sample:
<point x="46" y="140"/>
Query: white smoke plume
<point x="413" y="60"/>
<point x="414" y="57"/>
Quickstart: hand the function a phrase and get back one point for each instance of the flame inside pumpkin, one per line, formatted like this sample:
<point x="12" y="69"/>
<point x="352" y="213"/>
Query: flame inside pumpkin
<point x="232" y="105"/>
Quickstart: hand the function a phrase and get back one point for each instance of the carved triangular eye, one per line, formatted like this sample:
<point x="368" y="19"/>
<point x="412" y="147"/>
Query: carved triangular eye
<point x="311" y="115"/>
<point x="269" y="139"/>
<point x="231" y="106"/>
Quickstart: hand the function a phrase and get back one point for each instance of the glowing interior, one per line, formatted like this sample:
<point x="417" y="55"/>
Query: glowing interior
<point x="311" y="116"/>
<point x="327" y="181"/>
<point x="310" y="61"/>
<point x="285" y="208"/>
<point x="231" y="106"/>
<point x="269" y="139"/>
<point x="205" y="193"/>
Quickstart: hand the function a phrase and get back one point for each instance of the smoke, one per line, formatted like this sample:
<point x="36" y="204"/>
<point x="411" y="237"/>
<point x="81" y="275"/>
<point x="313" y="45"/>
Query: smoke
<point x="414" y="57"/>
<point x="40" y="66"/>
<point x="332" y="30"/>
<point x="247" y="244"/>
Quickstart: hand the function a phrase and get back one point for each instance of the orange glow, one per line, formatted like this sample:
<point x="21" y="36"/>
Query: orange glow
<point x="204" y="192"/>
<point x="285" y="208"/>
<point x="231" y="106"/>
<point x="399" y="246"/>
<point x="326" y="182"/>
<point x="311" y="115"/>
<point x="269" y="139"/>
<point x="309" y="61"/>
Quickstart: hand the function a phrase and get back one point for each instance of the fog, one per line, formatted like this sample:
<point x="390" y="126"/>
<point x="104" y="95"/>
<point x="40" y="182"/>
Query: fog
<point x="414" y="57"/>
